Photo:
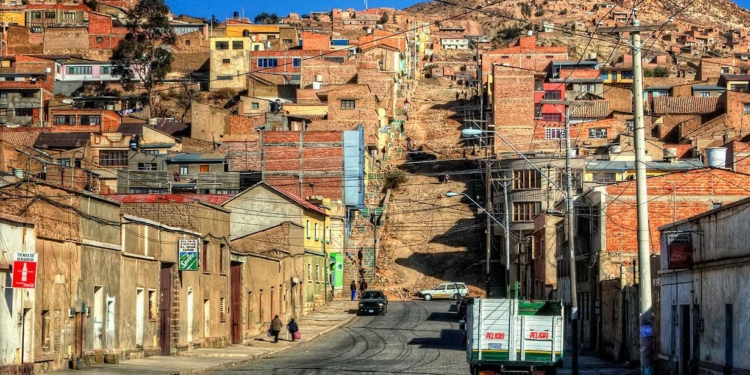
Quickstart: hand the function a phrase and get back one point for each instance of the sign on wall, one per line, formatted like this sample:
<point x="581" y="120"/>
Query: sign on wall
<point x="680" y="250"/>
<point x="24" y="270"/>
<point x="188" y="252"/>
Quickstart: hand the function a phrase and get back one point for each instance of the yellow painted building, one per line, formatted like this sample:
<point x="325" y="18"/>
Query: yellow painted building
<point x="617" y="74"/>
<point x="13" y="17"/>
<point x="260" y="34"/>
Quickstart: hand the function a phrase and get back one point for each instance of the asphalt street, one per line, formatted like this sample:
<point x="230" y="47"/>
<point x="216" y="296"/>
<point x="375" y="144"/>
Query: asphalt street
<point x="414" y="337"/>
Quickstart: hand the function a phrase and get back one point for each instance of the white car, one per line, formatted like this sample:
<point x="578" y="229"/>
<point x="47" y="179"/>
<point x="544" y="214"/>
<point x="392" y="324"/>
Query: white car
<point x="453" y="290"/>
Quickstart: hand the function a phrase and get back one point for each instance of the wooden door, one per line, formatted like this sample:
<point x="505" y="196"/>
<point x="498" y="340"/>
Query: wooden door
<point x="165" y="310"/>
<point x="236" y="303"/>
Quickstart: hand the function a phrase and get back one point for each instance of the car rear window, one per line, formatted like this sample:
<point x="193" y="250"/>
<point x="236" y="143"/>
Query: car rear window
<point x="371" y="295"/>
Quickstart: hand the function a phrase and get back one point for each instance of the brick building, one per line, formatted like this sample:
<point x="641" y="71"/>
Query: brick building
<point x="525" y="54"/>
<point x="103" y="36"/>
<point x="84" y="120"/>
<point x="229" y="61"/>
<point x="26" y="87"/>
<point x="606" y="221"/>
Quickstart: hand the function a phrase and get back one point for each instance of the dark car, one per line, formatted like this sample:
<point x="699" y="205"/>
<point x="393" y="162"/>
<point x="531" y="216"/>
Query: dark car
<point x="373" y="301"/>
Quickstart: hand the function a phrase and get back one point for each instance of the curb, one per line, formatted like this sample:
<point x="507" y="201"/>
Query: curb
<point x="255" y="357"/>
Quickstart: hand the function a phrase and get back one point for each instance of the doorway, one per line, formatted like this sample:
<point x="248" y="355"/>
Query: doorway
<point x="206" y="317"/>
<point x="98" y="316"/>
<point x="190" y="316"/>
<point x="165" y="309"/>
<point x="236" y="303"/>
<point x="139" y="317"/>
<point x="684" y="339"/>
<point x="27" y="338"/>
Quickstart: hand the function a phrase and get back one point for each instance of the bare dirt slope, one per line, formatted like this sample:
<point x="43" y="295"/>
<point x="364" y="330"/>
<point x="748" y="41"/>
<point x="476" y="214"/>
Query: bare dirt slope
<point x="429" y="238"/>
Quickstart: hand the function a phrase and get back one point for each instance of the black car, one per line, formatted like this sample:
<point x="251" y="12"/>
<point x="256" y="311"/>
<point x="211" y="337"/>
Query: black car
<point x="373" y="301"/>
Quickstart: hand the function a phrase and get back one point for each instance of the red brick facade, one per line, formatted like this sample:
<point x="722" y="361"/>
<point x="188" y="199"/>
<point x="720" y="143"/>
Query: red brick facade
<point x="525" y="54"/>
<point x="78" y="120"/>
<point x="315" y="41"/>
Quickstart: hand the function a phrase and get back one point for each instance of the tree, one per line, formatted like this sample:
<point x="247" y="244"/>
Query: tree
<point x="214" y="21"/>
<point x="266" y="18"/>
<point x="661" y="72"/>
<point x="142" y="57"/>
<point x="525" y="10"/>
<point x="91" y="4"/>
<point x="384" y="18"/>
<point x="509" y="33"/>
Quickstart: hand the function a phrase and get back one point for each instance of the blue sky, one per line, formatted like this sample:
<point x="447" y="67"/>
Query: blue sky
<point x="223" y="8"/>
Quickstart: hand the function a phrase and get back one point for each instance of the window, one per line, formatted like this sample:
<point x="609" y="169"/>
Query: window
<point x="221" y="45"/>
<point x="598" y="133"/>
<point x="537" y="111"/>
<point x="255" y="105"/>
<point x="79" y="70"/>
<point x="203" y="168"/>
<point x="348" y="104"/>
<point x="204" y="258"/>
<point x="69" y="16"/>
<point x="740" y="88"/>
<point x="183" y="169"/>
<point x="224" y="78"/>
<point x="222" y="250"/>
<point x="225" y="61"/>
<point x="296" y="62"/>
<point x="604" y="75"/>
<point x="588" y="87"/>
<point x="554" y="133"/>
<point x="36" y="29"/>
<point x="704" y="94"/>
<point x="36" y="15"/>
<point x="152" y="306"/>
<point x="49" y="15"/>
<point x="65" y="162"/>
<point x="222" y="309"/>
<point x="3" y="111"/>
<point x="117" y="158"/>
<point x="27" y="94"/>
<point x="317" y="272"/>
<point x="626" y="74"/>
<point x="552" y="95"/>
<point x="24" y="112"/>
<point x="527" y="179"/>
<point x="187" y="43"/>
<point x="238" y="44"/>
<point x="724" y="70"/>
<point x="317" y="237"/>
<point x="46" y="337"/>
<point x="525" y="211"/>
<point x="63" y="120"/>
<point x="716" y="205"/>
<point x="89" y="120"/>
<point x="746" y="108"/>
<point x="3" y="95"/>
<point x="268" y="63"/>
<point x="307" y="229"/>
<point x="605" y="178"/>
<point x="106" y="70"/>
<point x="551" y="117"/>
<point x="309" y="272"/>
<point x="146" y="166"/>
<point x="99" y="39"/>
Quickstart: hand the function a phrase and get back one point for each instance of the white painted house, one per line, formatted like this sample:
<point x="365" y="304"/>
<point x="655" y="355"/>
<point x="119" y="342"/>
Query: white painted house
<point x="17" y="333"/>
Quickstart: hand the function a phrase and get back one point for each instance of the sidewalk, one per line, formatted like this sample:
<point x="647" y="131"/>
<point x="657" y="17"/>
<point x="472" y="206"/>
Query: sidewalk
<point x="318" y="322"/>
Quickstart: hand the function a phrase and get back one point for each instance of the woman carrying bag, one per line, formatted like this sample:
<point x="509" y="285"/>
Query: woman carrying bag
<point x="294" y="330"/>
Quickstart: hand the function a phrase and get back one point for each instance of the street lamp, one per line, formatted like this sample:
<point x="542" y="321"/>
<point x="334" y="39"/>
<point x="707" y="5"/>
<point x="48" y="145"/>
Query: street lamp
<point x="507" y="242"/>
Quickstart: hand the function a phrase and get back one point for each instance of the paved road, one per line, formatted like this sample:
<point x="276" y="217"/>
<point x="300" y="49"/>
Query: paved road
<point x="415" y="337"/>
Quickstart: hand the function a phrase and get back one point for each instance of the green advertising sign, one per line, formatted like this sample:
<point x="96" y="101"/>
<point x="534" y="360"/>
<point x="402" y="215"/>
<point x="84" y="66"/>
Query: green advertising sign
<point x="188" y="250"/>
<point x="338" y="270"/>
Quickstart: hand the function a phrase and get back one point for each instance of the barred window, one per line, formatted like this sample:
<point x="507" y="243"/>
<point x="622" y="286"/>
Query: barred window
<point x="554" y="133"/>
<point x="598" y="133"/>
<point x="348" y="104"/>
<point x="89" y="120"/>
<point x="118" y="158"/>
<point x="64" y="120"/>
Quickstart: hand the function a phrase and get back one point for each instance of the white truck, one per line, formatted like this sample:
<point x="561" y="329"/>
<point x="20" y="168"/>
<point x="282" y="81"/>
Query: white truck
<point x="510" y="336"/>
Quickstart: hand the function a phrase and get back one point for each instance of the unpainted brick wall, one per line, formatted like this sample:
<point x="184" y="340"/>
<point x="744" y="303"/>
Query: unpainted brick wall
<point x="66" y="40"/>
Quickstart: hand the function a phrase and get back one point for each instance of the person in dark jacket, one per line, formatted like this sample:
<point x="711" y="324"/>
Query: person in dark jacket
<point x="353" y="287"/>
<point x="276" y="325"/>
<point x="292" y="327"/>
<point x="362" y="286"/>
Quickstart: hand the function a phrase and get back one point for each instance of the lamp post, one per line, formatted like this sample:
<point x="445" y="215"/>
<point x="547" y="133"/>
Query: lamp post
<point x="507" y="234"/>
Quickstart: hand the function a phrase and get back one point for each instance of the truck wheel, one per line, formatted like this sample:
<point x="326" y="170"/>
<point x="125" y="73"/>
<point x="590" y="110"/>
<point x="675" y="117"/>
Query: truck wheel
<point x="551" y="371"/>
<point x="427" y="297"/>
<point x="456" y="297"/>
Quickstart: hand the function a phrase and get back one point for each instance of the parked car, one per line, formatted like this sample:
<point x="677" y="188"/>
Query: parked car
<point x="373" y="301"/>
<point x="454" y="290"/>
<point x="461" y="307"/>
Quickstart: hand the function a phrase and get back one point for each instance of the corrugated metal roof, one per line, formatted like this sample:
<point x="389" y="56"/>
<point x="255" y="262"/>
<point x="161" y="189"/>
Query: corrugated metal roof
<point x="620" y="165"/>
<point x="685" y="105"/>
<point x="708" y="87"/>
<point x="294" y="198"/>
<point x="196" y="158"/>
<point x="62" y="140"/>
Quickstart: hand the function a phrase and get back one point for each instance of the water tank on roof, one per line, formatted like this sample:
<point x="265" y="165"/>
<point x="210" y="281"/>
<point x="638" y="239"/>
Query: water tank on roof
<point x="529" y="32"/>
<point x="153" y="121"/>
<point x="615" y="149"/>
<point x="316" y="85"/>
<point x="670" y="153"/>
<point x="318" y="78"/>
<point x="592" y="56"/>
<point x="716" y="156"/>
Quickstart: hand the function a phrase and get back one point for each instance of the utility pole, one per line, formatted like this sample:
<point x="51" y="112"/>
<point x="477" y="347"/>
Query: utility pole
<point x="488" y="225"/>
<point x="506" y="214"/>
<point x="571" y="241"/>
<point x="644" y="263"/>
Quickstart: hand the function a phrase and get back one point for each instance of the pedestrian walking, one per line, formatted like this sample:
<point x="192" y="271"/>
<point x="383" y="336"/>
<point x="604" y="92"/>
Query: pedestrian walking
<point x="276" y="325"/>
<point x="362" y="286"/>
<point x="293" y="329"/>
<point x="458" y="94"/>
<point x="353" y="287"/>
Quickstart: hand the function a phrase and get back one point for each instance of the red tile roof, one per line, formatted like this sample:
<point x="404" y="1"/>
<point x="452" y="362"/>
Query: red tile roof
<point x="664" y="105"/>
<point x="217" y="199"/>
